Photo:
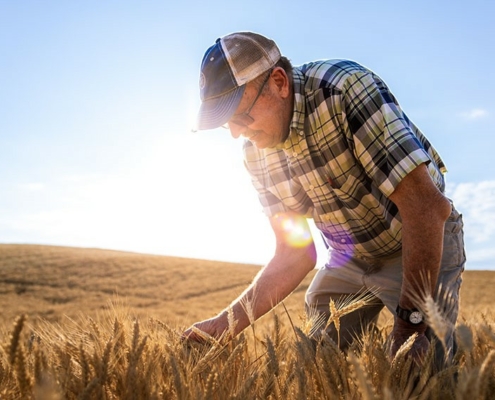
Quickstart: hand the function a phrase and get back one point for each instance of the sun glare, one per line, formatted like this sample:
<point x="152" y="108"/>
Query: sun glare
<point x="296" y="231"/>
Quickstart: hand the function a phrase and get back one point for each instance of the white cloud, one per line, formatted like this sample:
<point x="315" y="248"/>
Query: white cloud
<point x="476" y="201"/>
<point x="475" y="113"/>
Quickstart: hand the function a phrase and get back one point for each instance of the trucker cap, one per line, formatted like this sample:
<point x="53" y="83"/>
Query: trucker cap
<point x="227" y="66"/>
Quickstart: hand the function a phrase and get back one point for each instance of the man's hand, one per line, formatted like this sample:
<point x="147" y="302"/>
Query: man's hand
<point x="402" y="332"/>
<point x="215" y="327"/>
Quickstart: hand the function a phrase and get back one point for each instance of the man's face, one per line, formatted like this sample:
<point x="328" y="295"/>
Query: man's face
<point x="269" y="114"/>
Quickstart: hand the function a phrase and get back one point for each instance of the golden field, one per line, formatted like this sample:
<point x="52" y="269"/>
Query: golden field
<point x="106" y="324"/>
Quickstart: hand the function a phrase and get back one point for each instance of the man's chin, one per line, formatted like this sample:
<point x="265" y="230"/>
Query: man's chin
<point x="258" y="145"/>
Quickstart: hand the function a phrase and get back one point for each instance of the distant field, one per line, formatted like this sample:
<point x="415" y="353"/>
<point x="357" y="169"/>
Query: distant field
<point x="53" y="282"/>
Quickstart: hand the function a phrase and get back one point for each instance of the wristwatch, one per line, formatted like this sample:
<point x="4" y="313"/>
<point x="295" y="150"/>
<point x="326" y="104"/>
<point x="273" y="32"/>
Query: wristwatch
<point x="414" y="316"/>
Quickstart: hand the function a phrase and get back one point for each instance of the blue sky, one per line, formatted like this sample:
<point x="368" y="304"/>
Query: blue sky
<point x="97" y="100"/>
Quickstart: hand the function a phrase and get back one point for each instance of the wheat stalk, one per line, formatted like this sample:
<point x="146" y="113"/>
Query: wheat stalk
<point x="486" y="372"/>
<point x="40" y="363"/>
<point x="367" y="390"/>
<point x="105" y="362"/>
<point x="273" y="366"/>
<point x="177" y="377"/>
<point x="134" y="356"/>
<point x="96" y="328"/>
<point x="236" y="354"/>
<point x="232" y="322"/>
<point x="88" y="390"/>
<point x="84" y="366"/>
<point x="333" y="365"/>
<point x="210" y="355"/>
<point x="346" y="306"/>
<point x="135" y="337"/>
<point x="248" y="307"/>
<point x="211" y="383"/>
<point x="247" y="388"/>
<point x="289" y="318"/>
<point x="401" y="354"/>
<point x="15" y="338"/>
<point x="436" y="320"/>
<point x="22" y="373"/>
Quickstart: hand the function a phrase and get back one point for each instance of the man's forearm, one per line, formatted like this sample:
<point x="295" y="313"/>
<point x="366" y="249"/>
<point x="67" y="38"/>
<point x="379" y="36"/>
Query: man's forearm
<point x="423" y="210"/>
<point x="422" y="245"/>
<point x="272" y="284"/>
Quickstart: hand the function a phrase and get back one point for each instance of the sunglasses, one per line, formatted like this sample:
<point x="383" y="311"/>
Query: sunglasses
<point x="244" y="119"/>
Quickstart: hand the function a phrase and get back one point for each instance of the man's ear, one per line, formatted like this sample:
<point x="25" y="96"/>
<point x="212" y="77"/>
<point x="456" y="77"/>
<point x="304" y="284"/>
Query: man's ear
<point x="281" y="81"/>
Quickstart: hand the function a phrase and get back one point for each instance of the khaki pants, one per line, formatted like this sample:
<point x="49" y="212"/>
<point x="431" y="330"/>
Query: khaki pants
<point x="346" y="275"/>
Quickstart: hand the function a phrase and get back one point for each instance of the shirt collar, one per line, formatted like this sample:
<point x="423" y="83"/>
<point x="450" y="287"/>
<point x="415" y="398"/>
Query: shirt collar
<point x="296" y="127"/>
<point x="298" y="115"/>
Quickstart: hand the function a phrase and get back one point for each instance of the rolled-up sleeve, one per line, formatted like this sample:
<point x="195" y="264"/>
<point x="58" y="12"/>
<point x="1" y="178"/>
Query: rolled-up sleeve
<point x="384" y="140"/>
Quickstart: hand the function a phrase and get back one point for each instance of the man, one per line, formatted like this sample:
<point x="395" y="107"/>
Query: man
<point x="328" y="141"/>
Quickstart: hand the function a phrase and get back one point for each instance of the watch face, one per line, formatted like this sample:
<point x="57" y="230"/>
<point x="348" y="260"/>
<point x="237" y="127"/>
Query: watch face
<point x="416" y="317"/>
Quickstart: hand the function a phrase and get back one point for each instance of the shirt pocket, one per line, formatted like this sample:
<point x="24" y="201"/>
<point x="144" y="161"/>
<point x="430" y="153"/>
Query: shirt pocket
<point x="351" y="189"/>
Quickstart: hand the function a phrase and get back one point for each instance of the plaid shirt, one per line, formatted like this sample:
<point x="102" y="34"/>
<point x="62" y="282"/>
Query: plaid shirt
<point x="349" y="146"/>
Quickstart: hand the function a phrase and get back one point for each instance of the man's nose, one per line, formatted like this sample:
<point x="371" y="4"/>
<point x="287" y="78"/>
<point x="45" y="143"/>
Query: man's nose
<point x="236" y="131"/>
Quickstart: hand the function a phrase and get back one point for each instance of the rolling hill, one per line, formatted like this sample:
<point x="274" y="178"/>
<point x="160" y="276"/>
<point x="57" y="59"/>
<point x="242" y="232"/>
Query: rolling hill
<point x="52" y="283"/>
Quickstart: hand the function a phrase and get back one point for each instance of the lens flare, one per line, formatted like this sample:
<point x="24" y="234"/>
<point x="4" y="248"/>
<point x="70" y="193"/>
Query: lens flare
<point x="296" y="231"/>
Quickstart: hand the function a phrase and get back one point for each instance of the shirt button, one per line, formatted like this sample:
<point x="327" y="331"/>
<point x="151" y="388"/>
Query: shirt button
<point x="311" y="187"/>
<point x="294" y="154"/>
<point x="342" y="240"/>
<point x="301" y="133"/>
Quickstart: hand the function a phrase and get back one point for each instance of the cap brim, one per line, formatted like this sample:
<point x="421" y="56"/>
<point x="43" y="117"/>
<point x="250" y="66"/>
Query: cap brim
<point x="216" y="112"/>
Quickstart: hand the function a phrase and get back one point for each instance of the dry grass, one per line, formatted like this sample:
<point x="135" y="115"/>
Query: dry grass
<point x="81" y="341"/>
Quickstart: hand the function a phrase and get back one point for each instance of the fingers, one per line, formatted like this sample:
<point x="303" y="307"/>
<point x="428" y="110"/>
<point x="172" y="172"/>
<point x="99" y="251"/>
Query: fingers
<point x="189" y="335"/>
<point x="203" y="332"/>
<point x="194" y="334"/>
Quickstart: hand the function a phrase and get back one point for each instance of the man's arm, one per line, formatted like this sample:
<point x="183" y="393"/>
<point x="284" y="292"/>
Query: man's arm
<point x="423" y="210"/>
<point x="294" y="258"/>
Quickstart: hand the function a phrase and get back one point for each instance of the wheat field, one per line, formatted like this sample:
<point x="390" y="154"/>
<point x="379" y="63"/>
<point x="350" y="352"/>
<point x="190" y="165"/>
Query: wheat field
<point x="98" y="324"/>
